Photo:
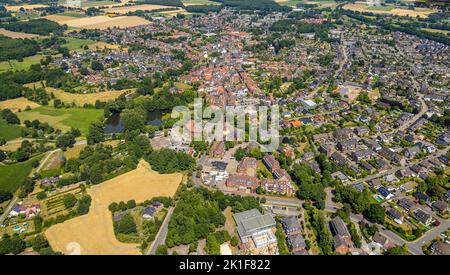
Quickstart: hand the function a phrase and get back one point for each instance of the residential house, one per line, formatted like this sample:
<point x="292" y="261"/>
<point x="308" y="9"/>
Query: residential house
<point x="422" y="197"/>
<point x="296" y="242"/>
<point x="342" y="239"/>
<point x="395" y="215"/>
<point x="291" y="225"/>
<point x="347" y="145"/>
<point x="440" y="206"/>
<point x="338" y="175"/>
<point x="364" y="154"/>
<point x="282" y="187"/>
<point x="411" y="152"/>
<point x="406" y="204"/>
<point x="440" y="248"/>
<point x="385" y="193"/>
<point x="242" y="182"/>
<point x="148" y="212"/>
<point x="423" y="217"/>
<point x="382" y="241"/>
<point x="271" y="163"/>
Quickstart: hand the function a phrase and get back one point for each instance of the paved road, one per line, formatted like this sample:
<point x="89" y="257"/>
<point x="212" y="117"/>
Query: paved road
<point x="45" y="160"/>
<point x="415" y="247"/>
<point x="162" y="233"/>
<point x="8" y="208"/>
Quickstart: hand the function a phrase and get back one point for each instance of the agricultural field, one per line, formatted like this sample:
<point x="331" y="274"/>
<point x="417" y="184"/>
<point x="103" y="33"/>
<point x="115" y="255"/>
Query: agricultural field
<point x="18" y="34"/>
<point x="9" y="131"/>
<point x="64" y="118"/>
<point x="361" y="7"/>
<point x="54" y="205"/>
<point x="126" y="9"/>
<point x="102" y="22"/>
<point x="16" y="65"/>
<point x="201" y="2"/>
<point x="94" y="232"/>
<point x="12" y="176"/>
<point x="18" y="104"/>
<point x="81" y="99"/>
<point x="25" y="7"/>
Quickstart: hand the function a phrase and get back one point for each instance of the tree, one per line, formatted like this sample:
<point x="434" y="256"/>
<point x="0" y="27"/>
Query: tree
<point x="69" y="200"/>
<point x="3" y="156"/>
<point x="133" y="119"/>
<point x="39" y="242"/>
<point x="95" y="133"/>
<point x="97" y="65"/>
<point x="240" y="154"/>
<point x="212" y="245"/>
<point x="397" y="250"/>
<point x="83" y="205"/>
<point x="126" y="225"/>
<point x="161" y="250"/>
<point x="5" y="196"/>
<point x="375" y="213"/>
<point x="41" y="195"/>
<point x="113" y="207"/>
<point x="131" y="204"/>
<point x="234" y="241"/>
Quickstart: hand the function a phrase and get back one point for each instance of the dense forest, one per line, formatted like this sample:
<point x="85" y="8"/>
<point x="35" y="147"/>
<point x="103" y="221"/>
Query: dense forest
<point x="262" y="5"/>
<point x="16" y="48"/>
<point x="36" y="26"/>
<point x="173" y="3"/>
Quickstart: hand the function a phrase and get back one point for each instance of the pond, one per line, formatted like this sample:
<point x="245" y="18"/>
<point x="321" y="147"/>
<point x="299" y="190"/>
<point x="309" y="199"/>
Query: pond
<point x="115" y="125"/>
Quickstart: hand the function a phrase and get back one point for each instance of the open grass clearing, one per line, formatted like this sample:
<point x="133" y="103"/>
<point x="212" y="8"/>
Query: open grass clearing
<point x="18" y="104"/>
<point x="12" y="176"/>
<point x="18" y="34"/>
<point x="9" y="131"/>
<point x="16" y="65"/>
<point x="64" y="118"/>
<point x="25" y="7"/>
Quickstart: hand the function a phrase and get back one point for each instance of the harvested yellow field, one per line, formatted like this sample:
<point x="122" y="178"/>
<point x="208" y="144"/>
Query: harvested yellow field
<point x="26" y="7"/>
<point x="18" y="104"/>
<point x="11" y="146"/>
<point x="175" y="12"/>
<point x="126" y="9"/>
<point x="362" y="7"/>
<point x="58" y="18"/>
<point x="93" y="233"/>
<point x="80" y="99"/>
<point x="103" y="22"/>
<point x="103" y="45"/>
<point x="17" y="34"/>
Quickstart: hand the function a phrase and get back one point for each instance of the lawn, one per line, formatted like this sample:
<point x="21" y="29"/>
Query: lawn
<point x="15" y="65"/>
<point x="77" y="43"/>
<point x="9" y="131"/>
<point x="12" y="176"/>
<point x="64" y="118"/>
<point x="97" y="3"/>
<point x="72" y="14"/>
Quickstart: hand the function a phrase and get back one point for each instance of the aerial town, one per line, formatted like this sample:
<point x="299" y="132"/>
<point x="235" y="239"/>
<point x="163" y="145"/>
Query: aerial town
<point x="92" y="163"/>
